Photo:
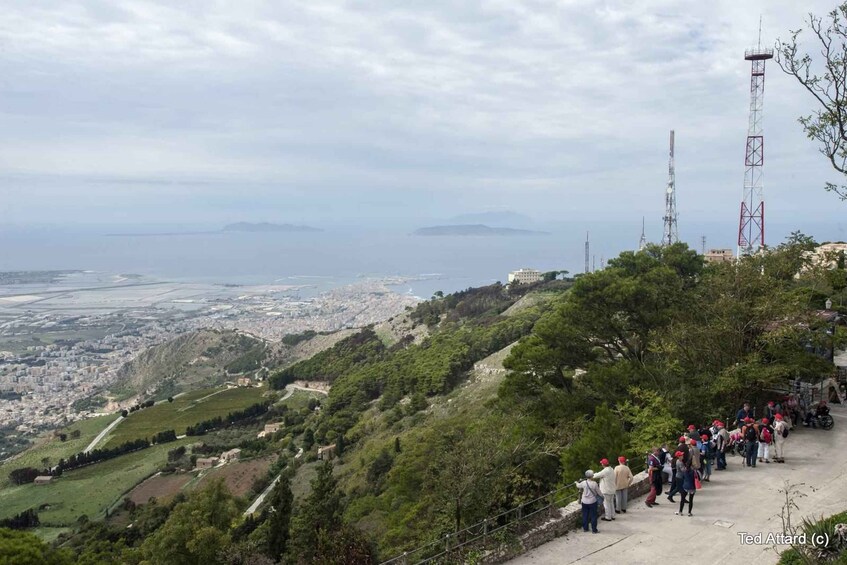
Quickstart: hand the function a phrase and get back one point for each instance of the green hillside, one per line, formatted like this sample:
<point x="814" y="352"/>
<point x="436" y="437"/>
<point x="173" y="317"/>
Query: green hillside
<point x="185" y="410"/>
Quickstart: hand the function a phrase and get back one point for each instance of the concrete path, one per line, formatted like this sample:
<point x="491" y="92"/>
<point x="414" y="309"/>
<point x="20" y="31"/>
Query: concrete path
<point x="736" y="500"/>
<point x="103" y="434"/>
<point x="261" y="498"/>
<point x="289" y="390"/>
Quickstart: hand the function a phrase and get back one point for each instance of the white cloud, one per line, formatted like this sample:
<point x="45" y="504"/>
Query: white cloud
<point x="497" y="99"/>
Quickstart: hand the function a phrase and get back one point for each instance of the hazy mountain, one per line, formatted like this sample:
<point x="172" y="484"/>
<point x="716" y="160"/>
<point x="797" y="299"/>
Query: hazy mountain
<point x="473" y="230"/>
<point x="267" y="227"/>
<point x="501" y="219"/>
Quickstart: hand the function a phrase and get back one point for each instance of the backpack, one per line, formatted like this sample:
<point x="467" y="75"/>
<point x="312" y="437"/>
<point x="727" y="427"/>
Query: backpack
<point x="750" y="433"/>
<point x="784" y="431"/>
<point x="766" y="435"/>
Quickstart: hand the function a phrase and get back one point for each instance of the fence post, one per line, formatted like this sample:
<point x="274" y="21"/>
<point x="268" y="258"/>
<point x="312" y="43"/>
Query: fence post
<point x="447" y="543"/>
<point x="405" y="558"/>
<point x="485" y="532"/>
<point x="520" y="512"/>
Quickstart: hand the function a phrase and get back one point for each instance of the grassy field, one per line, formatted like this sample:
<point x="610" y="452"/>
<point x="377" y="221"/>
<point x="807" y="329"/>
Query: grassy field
<point x="300" y="399"/>
<point x="184" y="411"/>
<point x="87" y="491"/>
<point x="48" y="448"/>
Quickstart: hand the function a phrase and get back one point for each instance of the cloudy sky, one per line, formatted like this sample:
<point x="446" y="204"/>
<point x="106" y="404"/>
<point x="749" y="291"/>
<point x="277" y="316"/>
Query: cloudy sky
<point x="322" y="111"/>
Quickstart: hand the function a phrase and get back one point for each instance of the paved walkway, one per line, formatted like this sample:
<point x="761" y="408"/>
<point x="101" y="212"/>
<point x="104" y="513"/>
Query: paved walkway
<point x="736" y="500"/>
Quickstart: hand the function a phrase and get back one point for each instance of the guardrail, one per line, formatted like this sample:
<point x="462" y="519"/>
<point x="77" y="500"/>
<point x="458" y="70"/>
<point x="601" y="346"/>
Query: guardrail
<point x="493" y="532"/>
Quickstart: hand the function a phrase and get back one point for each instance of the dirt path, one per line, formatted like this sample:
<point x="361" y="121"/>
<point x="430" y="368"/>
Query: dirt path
<point x="737" y="500"/>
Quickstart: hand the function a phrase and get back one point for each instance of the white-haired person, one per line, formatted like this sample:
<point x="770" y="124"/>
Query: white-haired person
<point x="589" y="496"/>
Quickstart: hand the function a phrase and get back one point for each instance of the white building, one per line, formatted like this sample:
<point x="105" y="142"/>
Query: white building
<point x="524" y="276"/>
<point x="826" y="255"/>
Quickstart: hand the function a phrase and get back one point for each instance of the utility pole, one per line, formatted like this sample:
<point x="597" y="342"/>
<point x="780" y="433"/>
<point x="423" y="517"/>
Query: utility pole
<point x="642" y="243"/>
<point x="703" y="244"/>
<point x="586" y="252"/>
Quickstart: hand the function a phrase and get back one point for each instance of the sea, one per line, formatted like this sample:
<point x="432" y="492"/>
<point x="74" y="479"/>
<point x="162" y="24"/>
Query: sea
<point x="326" y="259"/>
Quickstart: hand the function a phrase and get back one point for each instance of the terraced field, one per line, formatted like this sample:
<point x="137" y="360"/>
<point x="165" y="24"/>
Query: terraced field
<point x="184" y="411"/>
<point x="49" y="449"/>
<point x="87" y="491"/>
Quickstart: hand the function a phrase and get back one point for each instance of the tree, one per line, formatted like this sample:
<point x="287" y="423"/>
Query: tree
<point x="196" y="529"/>
<point x="340" y="445"/>
<point x="308" y="439"/>
<point x="827" y="124"/>
<point x="279" y="522"/>
<point x="379" y="468"/>
<point x="170" y="399"/>
<point x="320" y="513"/>
<point x="397" y="444"/>
<point x="23" y="548"/>
<point x="603" y="437"/>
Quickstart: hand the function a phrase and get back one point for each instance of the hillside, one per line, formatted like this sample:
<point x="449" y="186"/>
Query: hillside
<point x="195" y="360"/>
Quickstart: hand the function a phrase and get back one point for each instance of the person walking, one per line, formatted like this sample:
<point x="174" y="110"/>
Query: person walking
<point x="676" y="486"/>
<point x="588" y="497"/>
<point x="780" y="432"/>
<point x="606" y="478"/>
<point x="750" y="434"/>
<point x="654" y="473"/>
<point x="623" y="479"/>
<point x="765" y="439"/>
<point x="721" y="445"/>
<point x="688" y="487"/>
<point x="793" y="410"/>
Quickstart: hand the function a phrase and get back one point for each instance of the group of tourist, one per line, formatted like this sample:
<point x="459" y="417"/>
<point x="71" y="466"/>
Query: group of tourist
<point x="690" y="463"/>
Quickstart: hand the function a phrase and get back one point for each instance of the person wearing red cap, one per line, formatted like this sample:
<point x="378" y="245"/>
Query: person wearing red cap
<point x="765" y="439"/>
<point x="606" y="478"/>
<point x="780" y="432"/>
<point x="707" y="452"/>
<point x="694" y="460"/>
<point x="685" y="475"/>
<point x="623" y="479"/>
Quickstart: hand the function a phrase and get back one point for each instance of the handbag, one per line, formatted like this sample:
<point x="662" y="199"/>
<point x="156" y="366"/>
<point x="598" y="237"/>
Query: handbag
<point x="697" y="484"/>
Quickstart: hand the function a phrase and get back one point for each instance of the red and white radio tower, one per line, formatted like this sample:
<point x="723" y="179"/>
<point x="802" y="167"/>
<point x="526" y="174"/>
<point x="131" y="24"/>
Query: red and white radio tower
<point x="751" y="227"/>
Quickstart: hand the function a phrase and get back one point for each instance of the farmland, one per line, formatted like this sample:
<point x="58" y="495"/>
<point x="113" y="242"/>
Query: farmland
<point x="49" y="449"/>
<point x="87" y="491"/>
<point x="186" y="410"/>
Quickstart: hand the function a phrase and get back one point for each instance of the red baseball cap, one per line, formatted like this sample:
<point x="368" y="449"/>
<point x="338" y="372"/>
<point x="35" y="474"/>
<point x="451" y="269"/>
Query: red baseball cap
<point x="693" y="442"/>
<point x="692" y="427"/>
<point x="778" y="416"/>
<point x="604" y="461"/>
<point x="765" y="421"/>
<point x="678" y="454"/>
<point x="704" y="436"/>
<point x="621" y="459"/>
<point x="681" y="439"/>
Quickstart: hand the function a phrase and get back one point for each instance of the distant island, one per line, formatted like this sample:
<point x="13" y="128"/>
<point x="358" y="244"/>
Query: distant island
<point x="267" y="227"/>
<point x="474" y="230"/>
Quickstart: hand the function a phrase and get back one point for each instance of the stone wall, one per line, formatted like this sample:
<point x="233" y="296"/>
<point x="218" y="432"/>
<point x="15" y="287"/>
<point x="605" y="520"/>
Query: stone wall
<point x="567" y="519"/>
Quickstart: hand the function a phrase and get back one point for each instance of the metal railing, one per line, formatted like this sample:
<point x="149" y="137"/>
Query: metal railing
<point x="494" y="532"/>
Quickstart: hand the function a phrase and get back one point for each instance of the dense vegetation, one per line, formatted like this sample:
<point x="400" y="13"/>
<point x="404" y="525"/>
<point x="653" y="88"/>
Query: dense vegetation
<point x="238" y="416"/>
<point x="612" y="363"/>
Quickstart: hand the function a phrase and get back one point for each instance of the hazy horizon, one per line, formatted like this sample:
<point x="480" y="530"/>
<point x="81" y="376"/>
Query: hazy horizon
<point x="376" y="114"/>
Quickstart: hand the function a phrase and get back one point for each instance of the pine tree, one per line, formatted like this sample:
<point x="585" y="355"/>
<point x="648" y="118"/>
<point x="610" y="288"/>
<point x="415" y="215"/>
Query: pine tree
<point x="279" y="522"/>
<point x="319" y="512"/>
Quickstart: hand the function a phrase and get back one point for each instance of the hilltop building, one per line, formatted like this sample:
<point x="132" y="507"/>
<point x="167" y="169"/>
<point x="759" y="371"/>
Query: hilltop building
<point x="326" y="452"/>
<point x="524" y="276"/>
<point x="826" y="255"/>
<point x="719" y="256"/>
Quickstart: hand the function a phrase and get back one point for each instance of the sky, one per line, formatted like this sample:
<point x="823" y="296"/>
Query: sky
<point x="385" y="112"/>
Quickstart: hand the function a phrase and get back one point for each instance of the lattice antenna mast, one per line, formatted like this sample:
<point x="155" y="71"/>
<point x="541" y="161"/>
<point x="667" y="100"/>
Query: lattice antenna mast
<point x="751" y="223"/>
<point x="642" y="243"/>
<point x="671" y="233"/>
<point x="586" y="252"/>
